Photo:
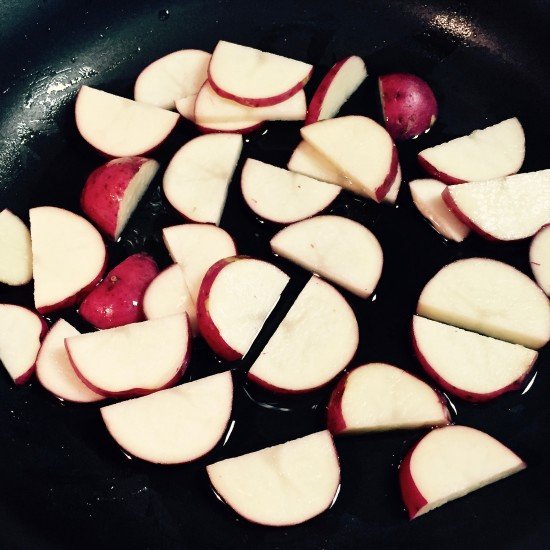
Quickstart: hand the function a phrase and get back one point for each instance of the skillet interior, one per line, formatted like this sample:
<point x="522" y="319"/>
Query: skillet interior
<point x="63" y="482"/>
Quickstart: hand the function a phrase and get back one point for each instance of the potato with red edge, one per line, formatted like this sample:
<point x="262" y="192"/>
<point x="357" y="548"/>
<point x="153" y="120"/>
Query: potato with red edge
<point x="68" y="257"/>
<point x="236" y="296"/>
<point x="21" y="332"/>
<point x="15" y="250"/>
<point x="449" y="463"/>
<point x="118" y="299"/>
<point x="408" y="104"/>
<point x="113" y="191"/>
<point x="119" y="127"/>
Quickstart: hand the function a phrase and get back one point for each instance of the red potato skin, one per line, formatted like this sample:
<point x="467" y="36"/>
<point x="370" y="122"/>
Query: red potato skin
<point x="314" y="108"/>
<point x="336" y="422"/>
<point x="118" y="299"/>
<point x="435" y="173"/>
<point x="136" y="392"/>
<point x="383" y="190"/>
<point x="207" y="328"/>
<point x="242" y="131"/>
<point x="259" y="102"/>
<point x="78" y="297"/>
<point x="408" y="103"/>
<point x="26" y="376"/>
<point x="104" y="190"/>
<point x="467" y="396"/>
<point x="412" y="497"/>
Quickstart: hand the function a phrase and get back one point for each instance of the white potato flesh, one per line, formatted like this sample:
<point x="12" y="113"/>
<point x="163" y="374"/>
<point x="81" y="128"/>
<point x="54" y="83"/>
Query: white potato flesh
<point x="211" y="108"/>
<point x="121" y="127"/>
<point x="488" y="297"/>
<point x="55" y="371"/>
<point x="453" y="461"/>
<point x="143" y="356"/>
<point x="471" y="362"/>
<point x="249" y="73"/>
<point x="281" y="196"/>
<point x="313" y="343"/>
<point x="492" y="152"/>
<point x="426" y="194"/>
<point x="241" y="298"/>
<point x="198" y="176"/>
<point x="176" y="425"/>
<point x="380" y="397"/>
<point x="196" y="247"/>
<point x="68" y="254"/>
<point x="134" y="192"/>
<point x="539" y="257"/>
<point x="15" y="250"/>
<point x="338" y="249"/>
<point x="168" y="294"/>
<point x="358" y="147"/>
<point x="341" y="82"/>
<point x="174" y="77"/>
<point x="282" y="485"/>
<point x="20" y="331"/>
<point x="505" y="209"/>
<point x="307" y="161"/>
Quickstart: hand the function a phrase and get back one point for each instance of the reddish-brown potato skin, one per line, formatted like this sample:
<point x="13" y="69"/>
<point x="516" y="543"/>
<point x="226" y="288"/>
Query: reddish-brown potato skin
<point x="467" y="396"/>
<point x="408" y="103"/>
<point x="335" y="417"/>
<point x="137" y="392"/>
<point x="242" y="131"/>
<point x="316" y="104"/>
<point x="104" y="190"/>
<point x="435" y="173"/>
<point x="25" y="377"/>
<point x="263" y="101"/>
<point x="412" y="497"/>
<point x="384" y="189"/>
<point x="118" y="299"/>
<point x="207" y="327"/>
<point x="79" y="296"/>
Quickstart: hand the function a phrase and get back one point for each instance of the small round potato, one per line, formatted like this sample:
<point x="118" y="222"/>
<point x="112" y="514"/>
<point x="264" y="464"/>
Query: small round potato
<point x="408" y="104"/>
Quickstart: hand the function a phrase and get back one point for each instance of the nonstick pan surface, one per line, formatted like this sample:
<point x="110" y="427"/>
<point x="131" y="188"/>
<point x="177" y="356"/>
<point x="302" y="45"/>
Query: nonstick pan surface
<point x="63" y="481"/>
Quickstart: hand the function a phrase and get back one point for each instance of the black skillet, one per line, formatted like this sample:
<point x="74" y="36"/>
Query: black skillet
<point x="63" y="482"/>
